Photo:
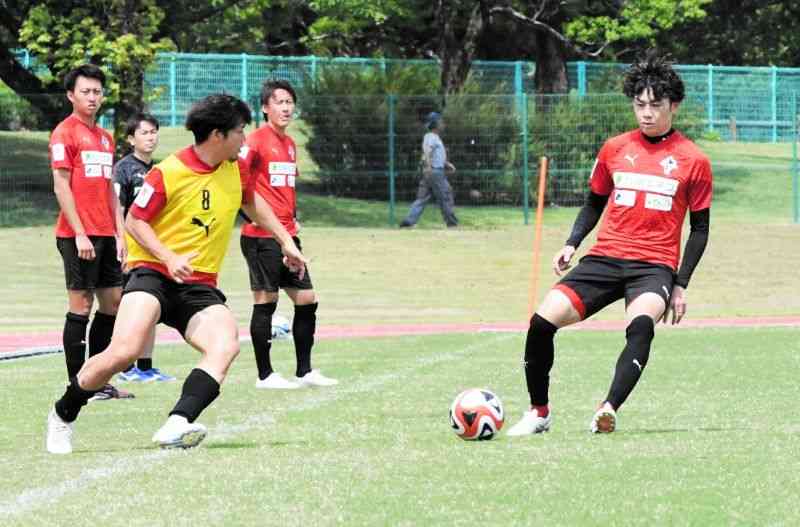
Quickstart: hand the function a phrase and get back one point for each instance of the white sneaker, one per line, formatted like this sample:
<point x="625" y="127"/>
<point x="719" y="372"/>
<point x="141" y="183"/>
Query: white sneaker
<point x="604" y="420"/>
<point x="531" y="423"/>
<point x="276" y="381"/>
<point x="59" y="434"/>
<point x="315" y="378"/>
<point x="177" y="432"/>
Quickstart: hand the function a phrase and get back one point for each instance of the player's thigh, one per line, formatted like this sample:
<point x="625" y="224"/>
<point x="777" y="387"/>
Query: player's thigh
<point x="137" y="317"/>
<point x="301" y="297"/>
<point x="647" y="290"/>
<point x="109" y="268"/>
<point x="214" y="334"/>
<point x="557" y="309"/>
<point x="108" y="299"/>
<point x="592" y="285"/>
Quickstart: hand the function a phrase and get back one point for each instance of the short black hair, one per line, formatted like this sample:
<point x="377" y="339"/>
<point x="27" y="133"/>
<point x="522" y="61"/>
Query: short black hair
<point x="84" y="70"/>
<point x="270" y="86"/>
<point x="136" y="119"/>
<point x="216" y="112"/>
<point x="653" y="71"/>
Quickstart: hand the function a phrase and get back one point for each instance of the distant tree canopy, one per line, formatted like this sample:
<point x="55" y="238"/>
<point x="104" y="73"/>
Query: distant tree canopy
<point x="125" y="35"/>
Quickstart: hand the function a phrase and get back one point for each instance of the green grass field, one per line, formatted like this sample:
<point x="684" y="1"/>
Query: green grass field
<point x="708" y="438"/>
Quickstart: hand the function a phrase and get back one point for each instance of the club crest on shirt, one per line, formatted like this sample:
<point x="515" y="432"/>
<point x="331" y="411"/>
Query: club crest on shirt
<point x="105" y="143"/>
<point x="669" y="164"/>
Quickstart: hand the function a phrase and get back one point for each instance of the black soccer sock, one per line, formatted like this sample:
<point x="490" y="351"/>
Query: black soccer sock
<point x="304" y="326"/>
<point x="261" y="333"/>
<point x="199" y="390"/>
<point x="632" y="360"/>
<point x="74" y="342"/>
<point x="72" y="401"/>
<point x="144" y="364"/>
<point x="539" y="354"/>
<point x="100" y="332"/>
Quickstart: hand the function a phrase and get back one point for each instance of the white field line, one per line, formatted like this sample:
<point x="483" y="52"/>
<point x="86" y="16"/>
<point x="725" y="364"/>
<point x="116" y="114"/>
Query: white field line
<point x="122" y="465"/>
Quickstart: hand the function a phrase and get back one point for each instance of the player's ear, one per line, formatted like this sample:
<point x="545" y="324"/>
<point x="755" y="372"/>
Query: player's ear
<point x="673" y="106"/>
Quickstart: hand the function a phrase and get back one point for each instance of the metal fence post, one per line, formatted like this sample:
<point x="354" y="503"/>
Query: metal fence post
<point x="313" y="68"/>
<point x="392" y="101"/>
<point x="774" y="104"/>
<point x="710" y="98"/>
<point x="173" y="117"/>
<point x="525" y="189"/>
<point x="582" y="79"/>
<point x="795" y="166"/>
<point x="244" y="78"/>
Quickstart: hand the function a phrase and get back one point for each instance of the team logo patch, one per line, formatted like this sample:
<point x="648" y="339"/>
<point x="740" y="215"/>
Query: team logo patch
<point x="144" y="195"/>
<point x="669" y="164"/>
<point x="626" y="198"/>
<point x="105" y="143"/>
<point x="59" y="152"/>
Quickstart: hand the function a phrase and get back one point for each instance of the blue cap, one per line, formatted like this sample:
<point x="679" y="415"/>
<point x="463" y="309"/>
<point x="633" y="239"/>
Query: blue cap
<point x="432" y="119"/>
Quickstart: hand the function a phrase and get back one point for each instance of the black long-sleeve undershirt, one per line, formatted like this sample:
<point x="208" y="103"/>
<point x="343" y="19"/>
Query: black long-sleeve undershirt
<point x="587" y="218"/>
<point x="699" y="222"/>
<point x="695" y="245"/>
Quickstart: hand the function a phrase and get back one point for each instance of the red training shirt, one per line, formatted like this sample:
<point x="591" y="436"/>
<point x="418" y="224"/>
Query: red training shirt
<point x="88" y="153"/>
<point x="650" y="186"/>
<point x="272" y="160"/>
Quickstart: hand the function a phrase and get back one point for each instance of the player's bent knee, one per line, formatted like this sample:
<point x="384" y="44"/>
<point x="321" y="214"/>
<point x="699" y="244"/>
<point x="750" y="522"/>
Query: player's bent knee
<point x="639" y="334"/>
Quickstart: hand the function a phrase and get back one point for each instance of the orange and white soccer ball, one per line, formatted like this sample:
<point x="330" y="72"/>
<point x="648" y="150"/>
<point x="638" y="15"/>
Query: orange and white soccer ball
<point x="476" y="414"/>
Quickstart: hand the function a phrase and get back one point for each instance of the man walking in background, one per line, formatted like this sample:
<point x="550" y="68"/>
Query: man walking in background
<point x="89" y="230"/>
<point x="271" y="156"/>
<point x="129" y="172"/>
<point x="434" y="181"/>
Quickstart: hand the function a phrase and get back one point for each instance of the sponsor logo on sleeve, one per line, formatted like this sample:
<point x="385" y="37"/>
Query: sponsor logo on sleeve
<point x="59" y="152"/>
<point x="144" y="195"/>
<point x="244" y="151"/>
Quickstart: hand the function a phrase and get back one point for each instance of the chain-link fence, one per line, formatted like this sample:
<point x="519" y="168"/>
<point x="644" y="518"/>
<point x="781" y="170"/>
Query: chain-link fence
<point x="369" y="147"/>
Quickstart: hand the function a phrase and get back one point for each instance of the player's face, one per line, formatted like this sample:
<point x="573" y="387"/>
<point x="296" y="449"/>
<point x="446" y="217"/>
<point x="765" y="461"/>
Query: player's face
<point x="653" y="115"/>
<point x="279" y="108"/>
<point x="87" y="96"/>
<point x="145" y="139"/>
<point x="233" y="142"/>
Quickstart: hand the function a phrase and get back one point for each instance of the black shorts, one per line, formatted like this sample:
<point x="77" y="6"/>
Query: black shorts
<point x="597" y="281"/>
<point x="102" y="272"/>
<point x="179" y="302"/>
<point x="267" y="271"/>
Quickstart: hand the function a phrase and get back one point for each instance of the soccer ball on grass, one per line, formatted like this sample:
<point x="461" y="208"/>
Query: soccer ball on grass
<point x="476" y="414"/>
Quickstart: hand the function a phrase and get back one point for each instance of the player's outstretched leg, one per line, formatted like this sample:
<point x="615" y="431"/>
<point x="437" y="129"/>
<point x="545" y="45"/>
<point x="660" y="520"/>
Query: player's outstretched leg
<point x="630" y="365"/>
<point x="211" y="331"/>
<point x="539" y="355"/>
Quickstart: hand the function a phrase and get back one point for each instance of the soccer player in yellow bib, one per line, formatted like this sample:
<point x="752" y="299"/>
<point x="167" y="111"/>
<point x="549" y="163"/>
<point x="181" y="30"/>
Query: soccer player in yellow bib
<point x="178" y="232"/>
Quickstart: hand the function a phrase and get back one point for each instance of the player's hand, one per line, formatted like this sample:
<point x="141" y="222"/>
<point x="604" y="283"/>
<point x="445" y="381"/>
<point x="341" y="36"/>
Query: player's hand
<point x="122" y="249"/>
<point x="294" y="259"/>
<point x="297" y="226"/>
<point x="85" y="247"/>
<point x="179" y="266"/>
<point x="451" y="167"/>
<point x="562" y="258"/>
<point x="677" y="305"/>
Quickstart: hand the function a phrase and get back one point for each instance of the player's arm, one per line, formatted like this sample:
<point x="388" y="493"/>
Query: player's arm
<point x="695" y="247"/>
<point x="258" y="210"/>
<point x="587" y="219"/>
<point x="66" y="200"/>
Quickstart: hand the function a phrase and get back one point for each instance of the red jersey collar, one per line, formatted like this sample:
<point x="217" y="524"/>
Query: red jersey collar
<point x="189" y="157"/>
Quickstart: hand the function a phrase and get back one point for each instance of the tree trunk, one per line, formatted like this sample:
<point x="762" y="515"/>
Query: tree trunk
<point x="457" y="54"/>
<point x="551" y="64"/>
<point x="52" y="104"/>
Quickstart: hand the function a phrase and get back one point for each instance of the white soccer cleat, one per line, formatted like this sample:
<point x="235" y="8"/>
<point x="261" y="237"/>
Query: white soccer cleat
<point x="276" y="381"/>
<point x="59" y="434"/>
<point x="604" y="420"/>
<point x="531" y="423"/>
<point x="177" y="432"/>
<point x="315" y="378"/>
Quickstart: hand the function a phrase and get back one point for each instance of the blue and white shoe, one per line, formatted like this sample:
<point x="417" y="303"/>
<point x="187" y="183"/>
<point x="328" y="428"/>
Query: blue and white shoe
<point x="131" y="375"/>
<point x="154" y="374"/>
